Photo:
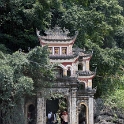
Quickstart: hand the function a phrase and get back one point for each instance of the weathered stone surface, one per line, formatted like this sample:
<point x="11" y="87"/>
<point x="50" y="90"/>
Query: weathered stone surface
<point x="104" y="122"/>
<point x="104" y="115"/>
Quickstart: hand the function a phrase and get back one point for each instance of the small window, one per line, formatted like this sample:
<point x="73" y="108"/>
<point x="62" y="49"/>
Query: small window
<point x="56" y="50"/>
<point x="64" y="50"/>
<point x="80" y="66"/>
<point x="50" y="50"/>
<point x="69" y="72"/>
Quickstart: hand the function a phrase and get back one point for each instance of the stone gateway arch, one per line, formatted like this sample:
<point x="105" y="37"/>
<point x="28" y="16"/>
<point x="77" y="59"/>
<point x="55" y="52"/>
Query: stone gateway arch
<point x="73" y="78"/>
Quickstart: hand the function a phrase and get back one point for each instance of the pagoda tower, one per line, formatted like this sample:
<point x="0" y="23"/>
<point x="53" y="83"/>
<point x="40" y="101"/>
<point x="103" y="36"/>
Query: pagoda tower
<point x="73" y="78"/>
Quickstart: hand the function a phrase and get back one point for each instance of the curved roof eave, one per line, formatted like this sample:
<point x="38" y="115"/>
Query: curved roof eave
<point x="58" y="41"/>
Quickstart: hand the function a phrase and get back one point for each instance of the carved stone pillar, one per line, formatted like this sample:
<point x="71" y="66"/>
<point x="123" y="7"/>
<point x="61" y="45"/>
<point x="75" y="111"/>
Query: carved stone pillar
<point x="41" y="110"/>
<point x="91" y="114"/>
<point x="69" y="109"/>
<point x="73" y="107"/>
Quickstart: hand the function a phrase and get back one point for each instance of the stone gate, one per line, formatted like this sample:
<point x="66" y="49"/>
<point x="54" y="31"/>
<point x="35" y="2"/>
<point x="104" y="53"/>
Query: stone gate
<point x="73" y="76"/>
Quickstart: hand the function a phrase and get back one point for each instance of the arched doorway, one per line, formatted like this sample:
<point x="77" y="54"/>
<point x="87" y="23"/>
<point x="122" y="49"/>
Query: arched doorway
<point x="31" y="114"/>
<point x="69" y="72"/>
<point x="82" y="115"/>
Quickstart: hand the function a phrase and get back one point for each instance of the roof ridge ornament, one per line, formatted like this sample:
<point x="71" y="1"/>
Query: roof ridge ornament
<point x="57" y="34"/>
<point x="57" y="31"/>
<point x="66" y="31"/>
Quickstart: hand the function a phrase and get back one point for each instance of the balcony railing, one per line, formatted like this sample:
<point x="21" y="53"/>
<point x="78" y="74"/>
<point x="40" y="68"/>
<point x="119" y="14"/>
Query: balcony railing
<point x="69" y="56"/>
<point x="84" y="73"/>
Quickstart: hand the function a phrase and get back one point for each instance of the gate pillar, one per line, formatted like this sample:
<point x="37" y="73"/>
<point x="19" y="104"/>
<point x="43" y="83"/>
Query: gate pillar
<point x="91" y="114"/>
<point x="73" y="114"/>
<point x="41" y="110"/>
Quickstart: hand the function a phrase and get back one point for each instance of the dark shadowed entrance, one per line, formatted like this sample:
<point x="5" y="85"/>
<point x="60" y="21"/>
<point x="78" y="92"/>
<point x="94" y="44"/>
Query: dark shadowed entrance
<point x="31" y="114"/>
<point x="57" y="107"/>
<point x="52" y="105"/>
<point x="82" y="114"/>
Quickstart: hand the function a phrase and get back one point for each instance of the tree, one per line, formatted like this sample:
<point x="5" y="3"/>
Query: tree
<point x="19" y="20"/>
<point x="14" y="86"/>
<point x="96" y="21"/>
<point x="121" y="3"/>
<point x="115" y="99"/>
<point x="18" y="72"/>
<point x="40" y="68"/>
<point x="99" y="23"/>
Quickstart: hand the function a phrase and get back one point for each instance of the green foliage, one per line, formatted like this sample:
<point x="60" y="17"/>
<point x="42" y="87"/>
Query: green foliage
<point x="40" y="68"/>
<point x="121" y="3"/>
<point x="62" y="104"/>
<point x="19" y="20"/>
<point x="95" y="22"/>
<point x="119" y="36"/>
<point x="99" y="22"/>
<point x="4" y="49"/>
<point x="12" y="86"/>
<point x="115" y="100"/>
<point x="110" y="65"/>
<point x="18" y="72"/>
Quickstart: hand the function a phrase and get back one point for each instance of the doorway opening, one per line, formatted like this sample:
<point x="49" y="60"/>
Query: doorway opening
<point x="52" y="105"/>
<point x="31" y="114"/>
<point x="82" y="115"/>
<point x="56" y="107"/>
<point x="69" y="72"/>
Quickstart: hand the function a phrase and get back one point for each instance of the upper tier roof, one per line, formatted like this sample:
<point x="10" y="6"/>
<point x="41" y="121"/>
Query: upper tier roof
<point x="56" y="35"/>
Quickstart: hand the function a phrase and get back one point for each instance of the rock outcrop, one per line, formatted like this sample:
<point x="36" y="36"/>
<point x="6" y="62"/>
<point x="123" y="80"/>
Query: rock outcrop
<point x="105" y="115"/>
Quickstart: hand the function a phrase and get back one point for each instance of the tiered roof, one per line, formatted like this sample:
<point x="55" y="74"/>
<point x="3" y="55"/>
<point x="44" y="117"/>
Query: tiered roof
<point x="56" y="35"/>
<point x="59" y="37"/>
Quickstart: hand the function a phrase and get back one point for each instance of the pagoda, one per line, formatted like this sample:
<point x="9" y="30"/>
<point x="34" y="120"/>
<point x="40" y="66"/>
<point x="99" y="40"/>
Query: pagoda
<point x="73" y="76"/>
